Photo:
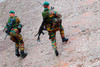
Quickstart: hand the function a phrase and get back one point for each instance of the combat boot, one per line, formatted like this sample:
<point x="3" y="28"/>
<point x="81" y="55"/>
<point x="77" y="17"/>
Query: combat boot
<point x="56" y="52"/>
<point x="23" y="55"/>
<point x="64" y="39"/>
<point x="17" y="52"/>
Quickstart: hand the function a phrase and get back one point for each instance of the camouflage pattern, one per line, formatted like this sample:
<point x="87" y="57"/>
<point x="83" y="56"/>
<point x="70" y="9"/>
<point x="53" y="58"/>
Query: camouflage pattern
<point x="17" y="23"/>
<point x="15" y="35"/>
<point x="52" y="35"/>
<point x="53" y="24"/>
<point x="53" y="21"/>
<point x="17" y="38"/>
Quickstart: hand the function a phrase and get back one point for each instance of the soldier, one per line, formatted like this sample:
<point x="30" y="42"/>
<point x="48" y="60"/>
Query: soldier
<point x="53" y="24"/>
<point x="13" y="29"/>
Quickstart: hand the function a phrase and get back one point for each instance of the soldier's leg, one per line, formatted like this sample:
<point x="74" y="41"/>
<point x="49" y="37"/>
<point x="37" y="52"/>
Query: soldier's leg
<point x="16" y="45"/>
<point x="53" y="40"/>
<point x="19" y="40"/>
<point x="17" y="49"/>
<point x="62" y="34"/>
<point x="21" y="44"/>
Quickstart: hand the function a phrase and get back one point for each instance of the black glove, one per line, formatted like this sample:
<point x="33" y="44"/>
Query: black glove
<point x="6" y="31"/>
<point x="19" y="30"/>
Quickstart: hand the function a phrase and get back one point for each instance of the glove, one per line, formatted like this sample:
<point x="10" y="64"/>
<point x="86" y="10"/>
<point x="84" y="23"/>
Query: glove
<point x="19" y="30"/>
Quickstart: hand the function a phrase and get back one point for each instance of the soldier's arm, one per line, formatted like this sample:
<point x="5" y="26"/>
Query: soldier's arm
<point x="18" y="20"/>
<point x="5" y="28"/>
<point x="43" y="14"/>
<point x="19" y="24"/>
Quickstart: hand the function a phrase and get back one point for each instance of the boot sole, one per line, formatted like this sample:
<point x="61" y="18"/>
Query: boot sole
<point x="23" y="56"/>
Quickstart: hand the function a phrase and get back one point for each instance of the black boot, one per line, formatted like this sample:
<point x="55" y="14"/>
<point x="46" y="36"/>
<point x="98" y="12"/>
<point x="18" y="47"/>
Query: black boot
<point x="17" y="52"/>
<point x="56" y="52"/>
<point x="64" y="39"/>
<point x="23" y="55"/>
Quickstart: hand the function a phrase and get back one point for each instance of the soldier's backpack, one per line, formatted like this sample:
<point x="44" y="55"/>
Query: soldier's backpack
<point x="54" y="22"/>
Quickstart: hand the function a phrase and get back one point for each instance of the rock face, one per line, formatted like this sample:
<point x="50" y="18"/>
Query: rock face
<point x="81" y="21"/>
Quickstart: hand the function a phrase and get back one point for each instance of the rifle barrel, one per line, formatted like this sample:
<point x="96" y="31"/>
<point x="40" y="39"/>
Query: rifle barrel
<point x="5" y="37"/>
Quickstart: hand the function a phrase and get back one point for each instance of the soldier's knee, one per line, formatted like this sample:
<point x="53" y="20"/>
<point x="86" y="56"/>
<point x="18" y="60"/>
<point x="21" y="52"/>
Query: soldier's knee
<point x="12" y="38"/>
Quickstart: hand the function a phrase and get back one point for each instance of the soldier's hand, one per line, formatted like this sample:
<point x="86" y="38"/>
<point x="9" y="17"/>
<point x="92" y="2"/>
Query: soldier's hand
<point x="4" y="30"/>
<point x="60" y="16"/>
<point x="19" y="30"/>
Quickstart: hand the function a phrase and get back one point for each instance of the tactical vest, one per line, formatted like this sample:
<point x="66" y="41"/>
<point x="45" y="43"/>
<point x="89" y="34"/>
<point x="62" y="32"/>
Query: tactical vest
<point x="15" y="25"/>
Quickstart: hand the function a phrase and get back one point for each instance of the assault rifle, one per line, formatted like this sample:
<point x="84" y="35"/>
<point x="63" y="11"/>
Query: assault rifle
<point x="41" y="30"/>
<point x="42" y="25"/>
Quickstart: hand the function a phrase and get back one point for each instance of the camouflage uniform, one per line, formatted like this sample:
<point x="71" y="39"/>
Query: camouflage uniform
<point x="53" y="24"/>
<point x="15" y="35"/>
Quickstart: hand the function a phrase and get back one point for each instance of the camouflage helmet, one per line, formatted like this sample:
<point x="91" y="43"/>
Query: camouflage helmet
<point x="46" y="3"/>
<point x="12" y="11"/>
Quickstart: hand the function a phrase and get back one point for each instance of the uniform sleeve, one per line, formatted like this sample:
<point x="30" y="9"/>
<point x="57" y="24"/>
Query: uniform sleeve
<point x="5" y="27"/>
<point x="18" y="20"/>
<point x="43" y="14"/>
<point x="19" y="24"/>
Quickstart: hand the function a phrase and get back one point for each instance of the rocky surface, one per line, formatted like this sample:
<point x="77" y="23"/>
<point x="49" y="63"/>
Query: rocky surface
<point x="81" y="21"/>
